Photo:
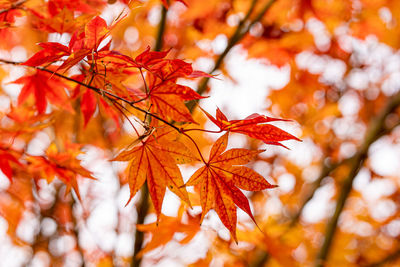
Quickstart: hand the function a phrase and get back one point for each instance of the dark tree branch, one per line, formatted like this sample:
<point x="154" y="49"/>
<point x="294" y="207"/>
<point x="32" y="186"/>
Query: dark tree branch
<point x="143" y="204"/>
<point x="161" y="29"/>
<point x="142" y="210"/>
<point x="261" y="257"/>
<point x="327" y="168"/>
<point x="375" y="130"/>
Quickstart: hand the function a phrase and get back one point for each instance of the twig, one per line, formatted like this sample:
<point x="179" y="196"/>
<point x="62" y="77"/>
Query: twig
<point x="327" y="168"/>
<point x="374" y="131"/>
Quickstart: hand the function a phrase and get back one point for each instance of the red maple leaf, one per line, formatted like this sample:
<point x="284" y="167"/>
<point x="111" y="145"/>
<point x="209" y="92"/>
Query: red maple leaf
<point x="82" y="44"/>
<point x="7" y="157"/>
<point x="44" y="87"/>
<point x="254" y="126"/>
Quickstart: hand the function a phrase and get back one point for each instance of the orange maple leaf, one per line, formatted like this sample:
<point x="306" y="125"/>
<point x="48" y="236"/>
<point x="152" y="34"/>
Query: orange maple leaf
<point x="63" y="165"/>
<point x="164" y="231"/>
<point x="220" y="179"/>
<point x="8" y="156"/>
<point x="155" y="160"/>
<point x="167" y="99"/>
<point x="165" y="69"/>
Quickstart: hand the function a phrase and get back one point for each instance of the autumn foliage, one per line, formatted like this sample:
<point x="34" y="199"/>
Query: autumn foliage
<point x="117" y="148"/>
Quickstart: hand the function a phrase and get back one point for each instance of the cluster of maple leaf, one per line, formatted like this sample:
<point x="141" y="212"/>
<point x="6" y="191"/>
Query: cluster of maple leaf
<point x="156" y="153"/>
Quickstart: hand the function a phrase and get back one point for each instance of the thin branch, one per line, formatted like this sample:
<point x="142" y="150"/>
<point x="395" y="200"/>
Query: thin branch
<point x="142" y="210"/>
<point x="327" y="168"/>
<point x="241" y="30"/>
<point x="161" y="29"/>
<point x="374" y="131"/>
<point x="144" y="81"/>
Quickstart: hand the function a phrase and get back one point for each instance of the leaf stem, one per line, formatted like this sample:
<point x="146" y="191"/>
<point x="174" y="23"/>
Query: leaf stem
<point x="144" y="81"/>
<point x="200" y="130"/>
<point x="197" y="147"/>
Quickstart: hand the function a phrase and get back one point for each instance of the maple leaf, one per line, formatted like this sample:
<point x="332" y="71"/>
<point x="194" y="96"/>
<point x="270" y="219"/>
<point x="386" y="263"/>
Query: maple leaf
<point x="44" y="88"/>
<point x="253" y="126"/>
<point x="88" y="99"/>
<point x="63" y="165"/>
<point x="82" y="43"/>
<point x="51" y="52"/>
<point x="155" y="160"/>
<point x="164" y="231"/>
<point x="54" y="51"/>
<point x="221" y="178"/>
<point x="95" y="32"/>
<point x="26" y="121"/>
<point x="165" y="69"/>
<point x="58" y="19"/>
<point x="8" y="156"/>
<point x="167" y="99"/>
<point x="148" y="57"/>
